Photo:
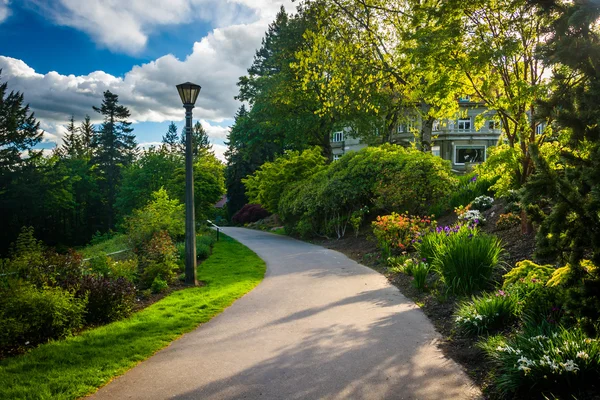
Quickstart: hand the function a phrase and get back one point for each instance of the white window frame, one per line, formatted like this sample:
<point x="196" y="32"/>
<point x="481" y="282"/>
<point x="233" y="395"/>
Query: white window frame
<point x="436" y="150"/>
<point x="539" y="129"/>
<point x="435" y="126"/>
<point x="337" y="137"/>
<point x="336" y="157"/>
<point x="456" y="147"/>
<point x="464" y="121"/>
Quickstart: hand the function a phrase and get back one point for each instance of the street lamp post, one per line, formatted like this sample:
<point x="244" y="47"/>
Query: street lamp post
<point x="189" y="93"/>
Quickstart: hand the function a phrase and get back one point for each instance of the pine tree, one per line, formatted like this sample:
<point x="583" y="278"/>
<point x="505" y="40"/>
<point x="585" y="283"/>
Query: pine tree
<point x="72" y="146"/>
<point x="19" y="131"/>
<point x="200" y="140"/>
<point x="170" y="139"/>
<point x="114" y="148"/>
<point x="87" y="131"/>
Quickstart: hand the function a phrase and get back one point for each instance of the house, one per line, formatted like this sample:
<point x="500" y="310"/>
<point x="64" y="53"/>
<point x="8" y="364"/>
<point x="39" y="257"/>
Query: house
<point x="457" y="140"/>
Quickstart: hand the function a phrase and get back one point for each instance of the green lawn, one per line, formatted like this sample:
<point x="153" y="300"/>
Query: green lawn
<point x="77" y="366"/>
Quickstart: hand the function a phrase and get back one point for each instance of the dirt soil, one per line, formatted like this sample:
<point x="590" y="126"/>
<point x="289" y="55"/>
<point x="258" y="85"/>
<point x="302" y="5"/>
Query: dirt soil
<point x="439" y="307"/>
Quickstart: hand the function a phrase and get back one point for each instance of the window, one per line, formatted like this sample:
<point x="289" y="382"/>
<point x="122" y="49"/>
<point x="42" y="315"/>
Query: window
<point x="408" y="126"/>
<point x="469" y="154"/>
<point x="435" y="150"/>
<point x="464" y="124"/>
<point x="539" y="129"/>
<point x="337" y="157"/>
<point x="338" y="136"/>
<point x="493" y="125"/>
<point x="464" y="99"/>
<point x="436" y="126"/>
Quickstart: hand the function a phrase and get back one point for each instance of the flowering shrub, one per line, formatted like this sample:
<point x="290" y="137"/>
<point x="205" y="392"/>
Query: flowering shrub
<point x="400" y="231"/>
<point x="472" y="217"/>
<point x="482" y="203"/>
<point x="486" y="313"/>
<point x="508" y="220"/>
<point x="547" y="361"/>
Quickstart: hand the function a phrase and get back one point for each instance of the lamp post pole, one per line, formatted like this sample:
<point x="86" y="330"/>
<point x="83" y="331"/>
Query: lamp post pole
<point x="190" y="220"/>
<point x="189" y="93"/>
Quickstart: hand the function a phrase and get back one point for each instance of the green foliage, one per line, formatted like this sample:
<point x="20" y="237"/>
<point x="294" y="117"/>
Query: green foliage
<point x="323" y="204"/>
<point x="545" y="360"/>
<point x="488" y="313"/>
<point x="469" y="187"/>
<point x="466" y="264"/>
<point x="267" y="184"/>
<point x="159" y="285"/>
<point x="161" y="214"/>
<point x="158" y="259"/>
<point x="113" y="148"/>
<point x="420" y="272"/>
<point x="428" y="243"/>
<point x="204" y="245"/>
<point x="77" y="366"/>
<point x="528" y="271"/>
<point x="31" y="315"/>
<point x="108" y="299"/>
<point x="356" y="219"/>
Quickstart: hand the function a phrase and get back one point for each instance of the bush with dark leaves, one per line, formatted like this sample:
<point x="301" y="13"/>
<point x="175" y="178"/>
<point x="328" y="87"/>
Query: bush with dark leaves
<point x="249" y="213"/>
<point x="109" y="299"/>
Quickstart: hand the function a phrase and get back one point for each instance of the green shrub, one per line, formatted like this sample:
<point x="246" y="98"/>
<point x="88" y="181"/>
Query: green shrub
<point x="486" y="313"/>
<point x="31" y="316"/>
<point x="161" y="214"/>
<point x="469" y="187"/>
<point x="159" y="259"/>
<point x="545" y="360"/>
<point x="527" y="271"/>
<point x="108" y="299"/>
<point x="323" y="203"/>
<point x="204" y="244"/>
<point x="466" y="265"/>
<point x="159" y="285"/>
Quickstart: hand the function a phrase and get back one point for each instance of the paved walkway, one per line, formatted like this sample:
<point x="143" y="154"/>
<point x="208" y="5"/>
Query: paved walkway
<point x="319" y="326"/>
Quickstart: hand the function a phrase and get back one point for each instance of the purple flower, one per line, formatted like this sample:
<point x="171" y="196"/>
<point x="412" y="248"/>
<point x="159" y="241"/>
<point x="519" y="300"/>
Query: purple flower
<point x="424" y="259"/>
<point x="474" y="178"/>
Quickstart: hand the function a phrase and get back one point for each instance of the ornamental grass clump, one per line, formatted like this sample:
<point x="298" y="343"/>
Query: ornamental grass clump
<point x="487" y="313"/>
<point x="545" y="361"/>
<point x="466" y="265"/>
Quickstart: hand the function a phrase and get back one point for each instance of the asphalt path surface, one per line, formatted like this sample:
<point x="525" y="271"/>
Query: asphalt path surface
<point x="320" y="326"/>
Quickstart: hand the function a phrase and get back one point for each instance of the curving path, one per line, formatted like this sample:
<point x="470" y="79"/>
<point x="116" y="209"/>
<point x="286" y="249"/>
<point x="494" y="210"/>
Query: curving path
<point x="319" y="326"/>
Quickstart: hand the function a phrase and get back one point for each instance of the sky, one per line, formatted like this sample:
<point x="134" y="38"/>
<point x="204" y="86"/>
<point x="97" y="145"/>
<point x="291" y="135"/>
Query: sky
<point x="63" y="54"/>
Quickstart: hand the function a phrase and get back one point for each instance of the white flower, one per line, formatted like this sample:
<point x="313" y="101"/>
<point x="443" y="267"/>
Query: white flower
<point x="500" y="348"/>
<point x="582" y="354"/>
<point x="570" y="366"/>
<point x="525" y="369"/>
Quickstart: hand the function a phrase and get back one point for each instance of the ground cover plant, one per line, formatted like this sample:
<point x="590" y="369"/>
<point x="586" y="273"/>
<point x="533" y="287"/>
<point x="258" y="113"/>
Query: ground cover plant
<point x="78" y="365"/>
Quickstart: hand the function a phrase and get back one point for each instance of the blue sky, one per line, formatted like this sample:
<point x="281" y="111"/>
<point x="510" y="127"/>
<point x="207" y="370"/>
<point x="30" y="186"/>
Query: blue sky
<point x="64" y="54"/>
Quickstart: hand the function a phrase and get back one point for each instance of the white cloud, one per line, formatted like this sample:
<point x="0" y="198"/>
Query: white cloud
<point x="219" y="150"/>
<point x="124" y="26"/>
<point x="148" y="90"/>
<point x="4" y="10"/>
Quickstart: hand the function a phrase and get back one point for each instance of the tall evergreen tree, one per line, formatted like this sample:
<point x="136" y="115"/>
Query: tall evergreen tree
<point x="200" y="140"/>
<point x="170" y="139"/>
<point x="72" y="146"/>
<point x="87" y="131"/>
<point x="19" y="133"/>
<point x="114" y="148"/>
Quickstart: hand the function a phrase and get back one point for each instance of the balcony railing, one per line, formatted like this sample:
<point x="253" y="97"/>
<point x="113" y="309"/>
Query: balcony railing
<point x="337" y="145"/>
